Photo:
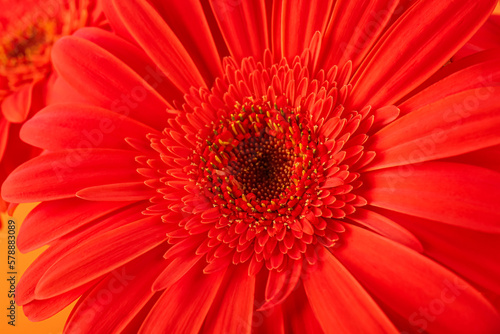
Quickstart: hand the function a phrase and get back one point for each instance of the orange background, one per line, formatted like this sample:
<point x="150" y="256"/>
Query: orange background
<point x="53" y="325"/>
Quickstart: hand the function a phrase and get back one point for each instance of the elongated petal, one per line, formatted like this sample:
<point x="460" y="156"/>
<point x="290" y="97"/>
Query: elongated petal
<point x="298" y="315"/>
<point x="133" y="57"/>
<point x="159" y="42"/>
<point x="61" y="174"/>
<point x="81" y="126"/>
<point x="100" y="255"/>
<point x="431" y="297"/>
<point x="386" y="227"/>
<point x="478" y="261"/>
<point x="272" y="321"/>
<point x="125" y="191"/>
<point x="176" y="311"/>
<point x="25" y="289"/>
<point x="482" y="70"/>
<point x="423" y="39"/>
<point x="233" y="309"/>
<point x="62" y="92"/>
<point x="487" y="157"/>
<point x="115" y="21"/>
<point x="125" y="291"/>
<point x="244" y="27"/>
<point x="4" y="135"/>
<point x="281" y="284"/>
<point x="107" y="81"/>
<point x="175" y="270"/>
<point x="455" y="194"/>
<point x="299" y="21"/>
<point x="355" y="27"/>
<point x="51" y="220"/>
<point x="458" y="124"/>
<point x="340" y="302"/>
<point x="38" y="310"/>
<point x="188" y="21"/>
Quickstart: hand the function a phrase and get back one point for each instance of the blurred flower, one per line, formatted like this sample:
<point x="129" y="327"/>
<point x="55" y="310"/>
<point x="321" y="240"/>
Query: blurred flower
<point x="328" y="175"/>
<point x="29" y="29"/>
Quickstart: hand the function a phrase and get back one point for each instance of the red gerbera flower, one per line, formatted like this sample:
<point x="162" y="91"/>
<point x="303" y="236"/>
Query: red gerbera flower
<point x="328" y="175"/>
<point x="28" y="30"/>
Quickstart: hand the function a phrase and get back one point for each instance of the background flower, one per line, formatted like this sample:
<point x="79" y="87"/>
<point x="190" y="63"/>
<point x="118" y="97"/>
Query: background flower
<point x="375" y="140"/>
<point x="29" y="29"/>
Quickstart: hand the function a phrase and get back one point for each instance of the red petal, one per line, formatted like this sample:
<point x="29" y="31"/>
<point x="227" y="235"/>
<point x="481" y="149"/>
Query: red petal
<point x="244" y="27"/>
<point x="61" y="174"/>
<point x="355" y="27"/>
<point x="4" y="135"/>
<point x="99" y="255"/>
<point x="116" y="21"/>
<point x="159" y="42"/>
<point x="126" y="191"/>
<point x="117" y="299"/>
<point x="187" y="20"/>
<point x="420" y="42"/>
<point x="63" y="92"/>
<point x="482" y="70"/>
<point x="455" y="194"/>
<point x="271" y="321"/>
<point x="487" y="158"/>
<point x="300" y="20"/>
<point x="384" y="116"/>
<point x="25" y="290"/>
<point x="51" y="220"/>
<point x="299" y="317"/>
<point x="39" y="310"/>
<point x="133" y="57"/>
<point x="340" y="303"/>
<point x="16" y="106"/>
<point x="74" y="126"/>
<point x="458" y="124"/>
<point x="281" y="284"/>
<point x="411" y="284"/>
<point x="386" y="227"/>
<point x="175" y="270"/>
<point x="472" y="254"/>
<point x="232" y="311"/>
<point x="183" y="307"/>
<point x="106" y="81"/>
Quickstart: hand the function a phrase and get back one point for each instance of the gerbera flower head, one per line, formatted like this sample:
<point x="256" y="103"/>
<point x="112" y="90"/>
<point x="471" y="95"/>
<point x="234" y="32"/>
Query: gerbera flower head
<point x="29" y="30"/>
<point x="267" y="167"/>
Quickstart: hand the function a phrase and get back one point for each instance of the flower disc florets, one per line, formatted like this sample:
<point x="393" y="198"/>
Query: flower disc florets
<point x="269" y="157"/>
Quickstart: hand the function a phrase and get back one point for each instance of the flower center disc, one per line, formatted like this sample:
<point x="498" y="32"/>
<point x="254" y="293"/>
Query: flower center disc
<point x="261" y="165"/>
<point x="28" y="45"/>
<point x="267" y="170"/>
